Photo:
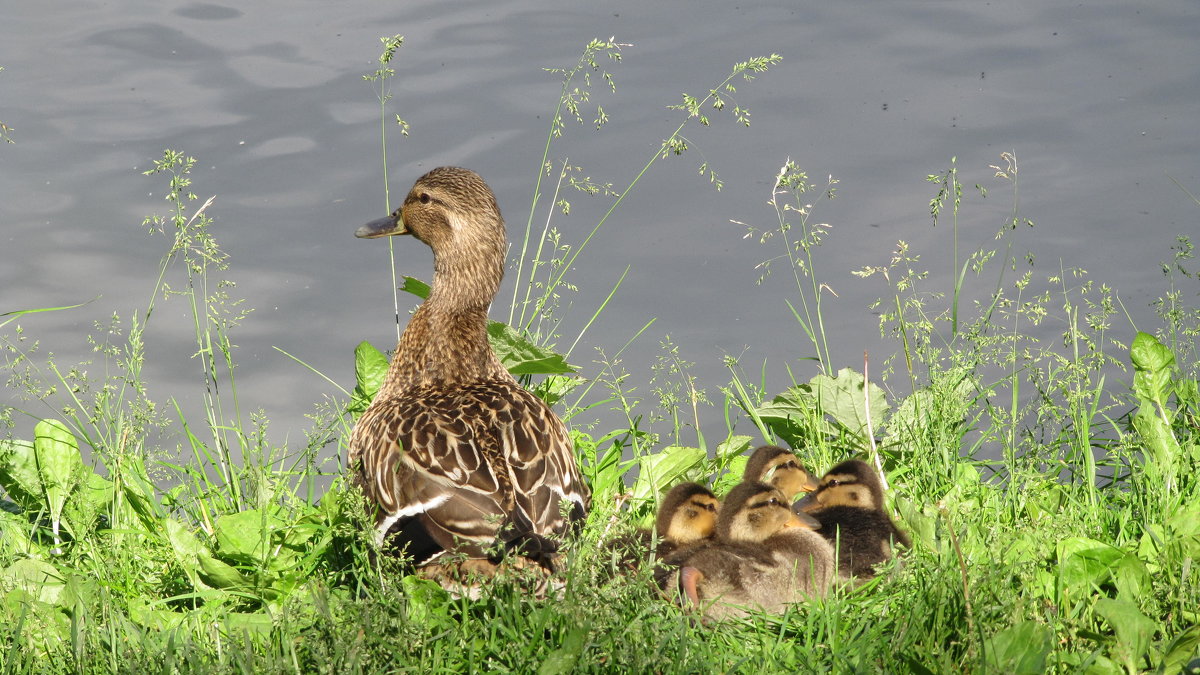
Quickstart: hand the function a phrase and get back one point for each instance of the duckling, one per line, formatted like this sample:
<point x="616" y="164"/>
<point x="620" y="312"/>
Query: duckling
<point x="765" y="557"/>
<point x="779" y="467"/>
<point x="453" y="454"/>
<point x="849" y="505"/>
<point x="687" y="517"/>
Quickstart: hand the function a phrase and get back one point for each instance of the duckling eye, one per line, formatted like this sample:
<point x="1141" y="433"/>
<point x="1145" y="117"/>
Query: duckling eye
<point x="424" y="198"/>
<point x="834" y="483"/>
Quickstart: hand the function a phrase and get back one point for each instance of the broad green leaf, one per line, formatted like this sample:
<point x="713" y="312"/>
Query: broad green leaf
<point x="59" y="466"/>
<point x="219" y="574"/>
<point x="184" y="542"/>
<point x="1134" y="630"/>
<point x="19" y="474"/>
<point x="91" y="496"/>
<point x="842" y="398"/>
<point x="1083" y="566"/>
<point x="1152" y="363"/>
<point x="661" y="470"/>
<point x="415" y="287"/>
<point x="1158" y="437"/>
<point x="245" y="536"/>
<point x="1020" y="649"/>
<point x="139" y="493"/>
<point x="1180" y="651"/>
<point x="792" y="416"/>
<point x="370" y="367"/>
<point x="522" y="357"/>
<point x="42" y="580"/>
<point x="562" y="660"/>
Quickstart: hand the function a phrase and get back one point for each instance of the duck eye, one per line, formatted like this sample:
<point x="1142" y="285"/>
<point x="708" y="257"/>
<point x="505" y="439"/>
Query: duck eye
<point x="424" y="197"/>
<point x="834" y="483"/>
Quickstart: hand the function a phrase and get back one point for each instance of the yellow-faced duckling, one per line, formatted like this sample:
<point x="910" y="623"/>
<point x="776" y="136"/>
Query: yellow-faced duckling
<point x="779" y="467"/>
<point x="765" y="557"/>
<point x="687" y="517"/>
<point x="849" y="505"/>
<point x="454" y="455"/>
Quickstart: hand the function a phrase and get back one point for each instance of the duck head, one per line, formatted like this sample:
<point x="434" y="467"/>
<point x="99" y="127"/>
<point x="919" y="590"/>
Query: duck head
<point x="851" y="483"/>
<point x="781" y="468"/>
<point x="688" y="514"/>
<point x="755" y="511"/>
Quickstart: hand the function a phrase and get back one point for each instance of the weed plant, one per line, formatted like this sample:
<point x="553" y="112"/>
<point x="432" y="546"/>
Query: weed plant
<point x="1050" y="488"/>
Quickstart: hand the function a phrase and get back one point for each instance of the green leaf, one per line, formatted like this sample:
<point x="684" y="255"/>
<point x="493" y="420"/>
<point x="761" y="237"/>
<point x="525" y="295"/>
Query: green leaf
<point x="1020" y="649"/>
<point x="219" y="574"/>
<point x="246" y="536"/>
<point x="522" y="357"/>
<point x="1134" y="630"/>
<point x="661" y="470"/>
<point x="1083" y="566"/>
<point x="415" y="287"/>
<point x="1180" y="651"/>
<point x="842" y="398"/>
<point x="792" y="415"/>
<point x="42" y="580"/>
<point x="19" y="474"/>
<point x="59" y="466"/>
<point x="562" y="660"/>
<point x="370" y="367"/>
<point x="1152" y="363"/>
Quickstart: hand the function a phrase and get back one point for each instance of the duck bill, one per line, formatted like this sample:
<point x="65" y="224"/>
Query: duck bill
<point x="803" y="521"/>
<point x="383" y="227"/>
<point x="806" y="505"/>
<point x="810" y="483"/>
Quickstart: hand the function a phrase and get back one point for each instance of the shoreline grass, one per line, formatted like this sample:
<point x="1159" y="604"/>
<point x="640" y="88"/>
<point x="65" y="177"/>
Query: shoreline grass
<point x="1074" y="550"/>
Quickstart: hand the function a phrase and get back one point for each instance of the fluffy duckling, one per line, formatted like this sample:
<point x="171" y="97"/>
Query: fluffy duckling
<point x="849" y="505"/>
<point x="455" y="456"/>
<point x="687" y="517"/>
<point x="765" y="557"/>
<point x="779" y="467"/>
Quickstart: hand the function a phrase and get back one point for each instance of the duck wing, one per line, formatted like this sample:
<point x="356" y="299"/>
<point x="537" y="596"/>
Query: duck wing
<point x="468" y="462"/>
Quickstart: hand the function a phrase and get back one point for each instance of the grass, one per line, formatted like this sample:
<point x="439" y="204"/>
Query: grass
<point x="1072" y="549"/>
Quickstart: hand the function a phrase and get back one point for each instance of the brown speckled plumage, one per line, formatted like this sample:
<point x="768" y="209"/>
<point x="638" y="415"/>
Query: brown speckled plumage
<point x="453" y="452"/>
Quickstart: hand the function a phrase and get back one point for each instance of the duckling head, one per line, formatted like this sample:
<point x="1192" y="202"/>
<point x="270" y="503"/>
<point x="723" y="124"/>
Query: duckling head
<point x="851" y="483"/>
<point x="688" y="514"/>
<point x="781" y="468"/>
<point x="755" y="511"/>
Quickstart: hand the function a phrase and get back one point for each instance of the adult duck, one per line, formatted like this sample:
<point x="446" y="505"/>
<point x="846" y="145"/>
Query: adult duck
<point x="455" y="456"/>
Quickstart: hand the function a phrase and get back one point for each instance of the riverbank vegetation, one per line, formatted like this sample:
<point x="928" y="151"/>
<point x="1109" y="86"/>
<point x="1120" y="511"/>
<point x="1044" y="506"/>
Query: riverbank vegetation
<point x="1050" y="487"/>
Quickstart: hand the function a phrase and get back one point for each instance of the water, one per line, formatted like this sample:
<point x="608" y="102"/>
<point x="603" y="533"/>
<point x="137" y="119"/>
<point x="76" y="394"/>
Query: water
<point x="1098" y="100"/>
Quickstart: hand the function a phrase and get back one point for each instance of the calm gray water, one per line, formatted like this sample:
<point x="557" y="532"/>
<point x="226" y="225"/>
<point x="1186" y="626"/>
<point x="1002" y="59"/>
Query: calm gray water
<point x="1099" y="100"/>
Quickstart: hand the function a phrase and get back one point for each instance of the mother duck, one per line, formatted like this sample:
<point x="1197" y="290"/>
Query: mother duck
<point x="454" y="454"/>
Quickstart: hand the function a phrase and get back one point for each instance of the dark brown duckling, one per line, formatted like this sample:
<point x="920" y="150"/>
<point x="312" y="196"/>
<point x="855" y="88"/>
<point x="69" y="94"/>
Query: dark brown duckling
<point x="765" y="557"/>
<point x="849" y="506"/>
<point x="779" y="467"/>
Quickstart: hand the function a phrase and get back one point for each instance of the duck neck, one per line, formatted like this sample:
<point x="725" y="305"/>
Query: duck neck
<point x="446" y="340"/>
